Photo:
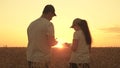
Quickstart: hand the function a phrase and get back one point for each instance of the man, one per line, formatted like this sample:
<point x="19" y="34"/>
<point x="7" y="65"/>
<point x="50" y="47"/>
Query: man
<point x="40" y="39"/>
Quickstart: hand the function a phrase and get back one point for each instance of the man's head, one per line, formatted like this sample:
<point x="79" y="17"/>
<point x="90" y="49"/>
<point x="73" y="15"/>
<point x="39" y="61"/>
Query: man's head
<point x="49" y="12"/>
<point x="49" y="9"/>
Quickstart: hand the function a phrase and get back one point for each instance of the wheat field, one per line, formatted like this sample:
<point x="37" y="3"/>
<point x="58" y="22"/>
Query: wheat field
<point x="100" y="57"/>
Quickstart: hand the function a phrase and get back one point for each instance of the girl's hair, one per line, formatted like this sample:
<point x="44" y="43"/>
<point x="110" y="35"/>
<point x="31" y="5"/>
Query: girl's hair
<point x="84" y="27"/>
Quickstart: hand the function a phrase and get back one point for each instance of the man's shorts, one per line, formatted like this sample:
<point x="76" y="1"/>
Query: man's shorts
<point x="38" y="64"/>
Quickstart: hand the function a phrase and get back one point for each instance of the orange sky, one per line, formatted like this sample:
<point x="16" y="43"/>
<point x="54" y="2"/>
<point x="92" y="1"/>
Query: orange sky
<point x="102" y="16"/>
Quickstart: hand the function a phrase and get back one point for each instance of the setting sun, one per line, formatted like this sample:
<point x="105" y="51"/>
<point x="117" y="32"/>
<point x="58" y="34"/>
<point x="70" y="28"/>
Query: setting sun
<point x="102" y="17"/>
<point x="59" y="44"/>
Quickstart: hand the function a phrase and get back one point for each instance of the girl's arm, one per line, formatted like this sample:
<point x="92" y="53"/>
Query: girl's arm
<point x="74" y="45"/>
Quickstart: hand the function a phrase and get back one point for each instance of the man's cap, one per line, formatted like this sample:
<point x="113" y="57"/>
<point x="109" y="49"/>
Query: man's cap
<point x="75" y="22"/>
<point x="49" y="8"/>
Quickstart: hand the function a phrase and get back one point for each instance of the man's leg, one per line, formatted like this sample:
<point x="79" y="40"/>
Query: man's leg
<point x="37" y="65"/>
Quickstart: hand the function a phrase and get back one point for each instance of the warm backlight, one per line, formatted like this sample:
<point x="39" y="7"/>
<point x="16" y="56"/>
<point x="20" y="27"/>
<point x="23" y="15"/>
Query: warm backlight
<point x="59" y="44"/>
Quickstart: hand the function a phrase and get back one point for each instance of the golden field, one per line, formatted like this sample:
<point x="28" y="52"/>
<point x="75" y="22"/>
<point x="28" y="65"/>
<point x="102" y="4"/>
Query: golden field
<point x="100" y="57"/>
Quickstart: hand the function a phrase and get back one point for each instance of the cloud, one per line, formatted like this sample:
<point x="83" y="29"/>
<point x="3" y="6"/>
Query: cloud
<point x="111" y="34"/>
<point x="111" y="29"/>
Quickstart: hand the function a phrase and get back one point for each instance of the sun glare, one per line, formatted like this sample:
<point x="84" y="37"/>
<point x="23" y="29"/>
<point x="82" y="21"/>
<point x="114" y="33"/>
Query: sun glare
<point x="59" y="44"/>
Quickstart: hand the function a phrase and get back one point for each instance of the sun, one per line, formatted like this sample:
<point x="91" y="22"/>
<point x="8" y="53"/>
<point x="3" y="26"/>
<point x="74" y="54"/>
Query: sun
<point x="59" y="44"/>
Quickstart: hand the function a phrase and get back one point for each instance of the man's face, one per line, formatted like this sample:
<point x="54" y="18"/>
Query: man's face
<point x="51" y="15"/>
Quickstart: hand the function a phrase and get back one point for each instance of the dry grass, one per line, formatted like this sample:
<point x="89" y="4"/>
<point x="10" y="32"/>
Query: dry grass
<point x="105" y="58"/>
<point x="100" y="58"/>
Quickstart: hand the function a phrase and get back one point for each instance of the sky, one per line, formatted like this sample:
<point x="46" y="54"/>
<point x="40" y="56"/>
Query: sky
<point x="103" y="17"/>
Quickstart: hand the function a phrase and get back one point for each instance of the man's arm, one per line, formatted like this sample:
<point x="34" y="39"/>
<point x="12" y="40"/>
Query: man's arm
<point x="51" y="40"/>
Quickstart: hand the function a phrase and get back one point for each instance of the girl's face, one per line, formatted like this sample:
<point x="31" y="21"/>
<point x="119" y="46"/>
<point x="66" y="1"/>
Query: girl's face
<point x="76" y="27"/>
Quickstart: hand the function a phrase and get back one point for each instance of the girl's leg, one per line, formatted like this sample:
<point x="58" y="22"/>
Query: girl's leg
<point x="30" y="64"/>
<point x="73" y="65"/>
<point x="84" y="65"/>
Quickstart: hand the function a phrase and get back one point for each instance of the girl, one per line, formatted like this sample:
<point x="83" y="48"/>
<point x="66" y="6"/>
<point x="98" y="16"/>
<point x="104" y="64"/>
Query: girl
<point x="81" y="44"/>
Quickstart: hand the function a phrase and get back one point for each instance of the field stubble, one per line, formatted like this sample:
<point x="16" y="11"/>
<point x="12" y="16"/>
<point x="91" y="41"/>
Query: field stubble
<point x="100" y="58"/>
